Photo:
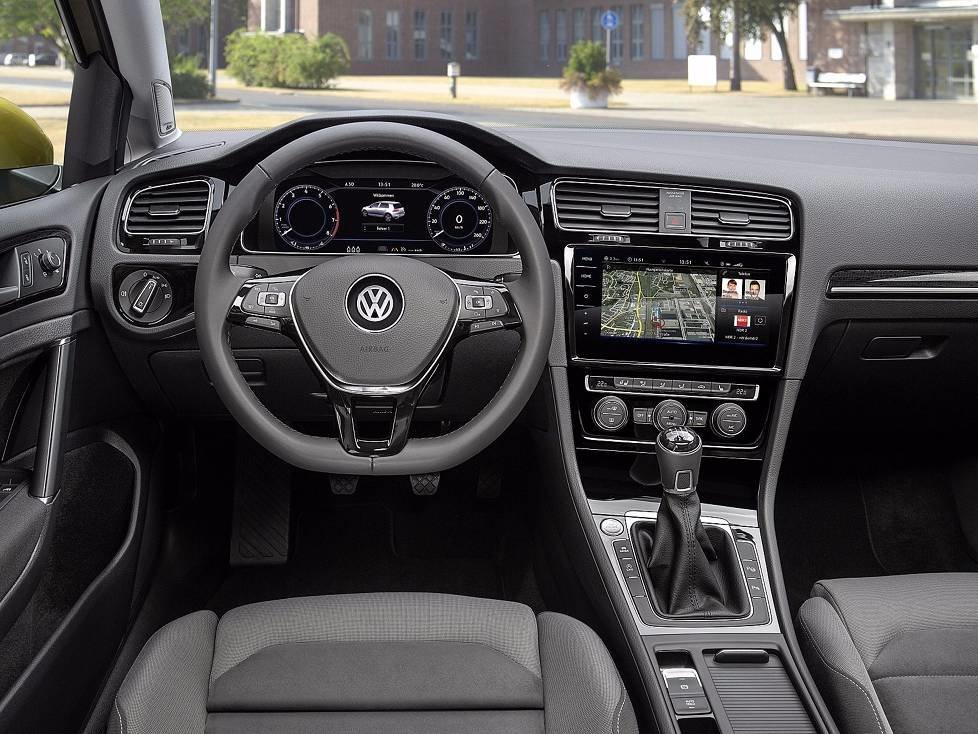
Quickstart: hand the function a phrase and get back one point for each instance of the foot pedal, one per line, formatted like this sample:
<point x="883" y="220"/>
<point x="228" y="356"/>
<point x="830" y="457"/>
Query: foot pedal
<point x="262" y="501"/>
<point x="343" y="484"/>
<point x="425" y="485"/>
<point x="489" y="485"/>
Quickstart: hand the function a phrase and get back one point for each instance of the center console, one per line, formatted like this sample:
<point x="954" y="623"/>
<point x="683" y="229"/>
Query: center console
<point x="676" y="348"/>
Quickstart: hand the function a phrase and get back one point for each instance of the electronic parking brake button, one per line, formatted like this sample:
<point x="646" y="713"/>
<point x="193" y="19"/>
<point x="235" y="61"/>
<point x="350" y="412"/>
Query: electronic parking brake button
<point x="682" y="682"/>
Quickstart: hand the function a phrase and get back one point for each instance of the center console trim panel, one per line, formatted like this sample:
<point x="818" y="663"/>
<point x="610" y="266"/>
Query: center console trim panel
<point x="729" y="519"/>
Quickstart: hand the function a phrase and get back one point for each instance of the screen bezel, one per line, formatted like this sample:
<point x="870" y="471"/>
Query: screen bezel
<point x="589" y="345"/>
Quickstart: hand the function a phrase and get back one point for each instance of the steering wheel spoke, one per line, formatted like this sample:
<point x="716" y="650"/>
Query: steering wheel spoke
<point x="263" y="303"/>
<point x="485" y="306"/>
<point x="374" y="423"/>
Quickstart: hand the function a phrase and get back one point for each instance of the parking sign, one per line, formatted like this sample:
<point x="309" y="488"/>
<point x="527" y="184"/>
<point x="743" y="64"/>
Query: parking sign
<point x="609" y="21"/>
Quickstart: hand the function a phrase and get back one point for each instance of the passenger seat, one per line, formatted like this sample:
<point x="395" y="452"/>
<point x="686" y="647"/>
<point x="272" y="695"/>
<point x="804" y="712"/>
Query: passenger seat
<point x="895" y="654"/>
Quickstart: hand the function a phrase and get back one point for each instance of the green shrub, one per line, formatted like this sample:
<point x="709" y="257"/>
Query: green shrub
<point x="587" y="69"/>
<point x="289" y="60"/>
<point x="189" y="81"/>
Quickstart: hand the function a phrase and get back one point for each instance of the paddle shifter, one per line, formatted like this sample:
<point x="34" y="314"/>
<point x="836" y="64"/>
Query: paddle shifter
<point x="693" y="572"/>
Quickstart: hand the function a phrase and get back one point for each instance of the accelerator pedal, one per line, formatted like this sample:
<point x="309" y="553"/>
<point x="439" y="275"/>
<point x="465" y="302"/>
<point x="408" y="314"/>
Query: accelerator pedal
<point x="425" y="485"/>
<point x="262" y="503"/>
<point x="343" y="484"/>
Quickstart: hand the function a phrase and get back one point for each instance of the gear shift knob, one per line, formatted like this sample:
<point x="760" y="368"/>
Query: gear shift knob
<point x="678" y="451"/>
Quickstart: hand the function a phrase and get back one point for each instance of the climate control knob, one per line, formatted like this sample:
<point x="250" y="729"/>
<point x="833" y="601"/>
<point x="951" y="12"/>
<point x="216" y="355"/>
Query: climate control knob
<point x="729" y="420"/>
<point x="610" y="413"/>
<point x="669" y="414"/>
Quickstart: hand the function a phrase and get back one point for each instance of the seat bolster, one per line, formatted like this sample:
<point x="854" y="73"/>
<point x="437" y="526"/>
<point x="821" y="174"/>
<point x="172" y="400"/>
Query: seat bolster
<point x="582" y="691"/>
<point x="166" y="688"/>
<point x="839" y="671"/>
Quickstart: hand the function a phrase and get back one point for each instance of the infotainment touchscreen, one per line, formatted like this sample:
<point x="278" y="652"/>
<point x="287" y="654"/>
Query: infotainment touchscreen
<point x="677" y="306"/>
<point x="684" y="304"/>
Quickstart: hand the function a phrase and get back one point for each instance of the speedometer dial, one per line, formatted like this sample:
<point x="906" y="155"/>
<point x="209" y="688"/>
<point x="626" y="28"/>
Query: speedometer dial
<point x="459" y="219"/>
<point x="306" y="217"/>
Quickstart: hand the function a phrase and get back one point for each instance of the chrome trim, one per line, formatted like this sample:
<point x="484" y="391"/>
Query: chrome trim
<point x="676" y="395"/>
<point x="349" y="290"/>
<point x="207" y="216"/>
<point x="889" y="290"/>
<point x="651" y="442"/>
<point x="677" y="365"/>
<point x="652" y="184"/>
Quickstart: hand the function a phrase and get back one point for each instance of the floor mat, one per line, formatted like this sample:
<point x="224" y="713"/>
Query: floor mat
<point x="913" y="521"/>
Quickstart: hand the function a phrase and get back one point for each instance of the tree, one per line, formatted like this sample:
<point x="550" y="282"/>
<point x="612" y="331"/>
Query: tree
<point x="744" y="18"/>
<point x="40" y="18"/>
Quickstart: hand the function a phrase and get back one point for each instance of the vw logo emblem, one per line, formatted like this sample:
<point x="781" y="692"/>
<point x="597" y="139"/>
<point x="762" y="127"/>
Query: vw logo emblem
<point x="375" y="302"/>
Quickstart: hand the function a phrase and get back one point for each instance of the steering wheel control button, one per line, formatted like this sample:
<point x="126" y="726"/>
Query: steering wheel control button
<point x="271" y="299"/>
<point x="145" y="297"/>
<point x="612" y="527"/>
<point x="610" y="413"/>
<point x="480" y="327"/>
<point x="669" y="414"/>
<point x="478" y="303"/>
<point x="375" y="303"/>
<point x="729" y="420"/>
<point x="261" y="322"/>
<point x="496" y="306"/>
<point x="252" y="303"/>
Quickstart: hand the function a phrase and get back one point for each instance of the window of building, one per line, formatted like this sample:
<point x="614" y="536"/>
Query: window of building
<point x="679" y="50"/>
<point x="471" y="34"/>
<point x="657" y="19"/>
<point x="445" y="35"/>
<point x="776" y="52"/>
<point x="420" y="35"/>
<point x="803" y="30"/>
<point x="753" y="49"/>
<point x="544" y="36"/>
<point x="365" y="35"/>
<point x="393" y="34"/>
<point x="560" y="28"/>
<point x="637" y="18"/>
<point x="271" y="16"/>
<point x="597" y="32"/>
<point x="580" y="24"/>
<point x="618" y="38"/>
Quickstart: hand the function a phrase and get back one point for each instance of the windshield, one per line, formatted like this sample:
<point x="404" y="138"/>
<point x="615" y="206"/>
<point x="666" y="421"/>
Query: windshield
<point x="888" y="69"/>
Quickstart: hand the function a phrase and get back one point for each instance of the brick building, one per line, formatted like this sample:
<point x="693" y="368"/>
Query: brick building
<point x="892" y="41"/>
<point x="513" y="37"/>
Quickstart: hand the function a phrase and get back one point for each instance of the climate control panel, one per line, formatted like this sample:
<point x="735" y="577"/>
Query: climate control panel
<point x="629" y="410"/>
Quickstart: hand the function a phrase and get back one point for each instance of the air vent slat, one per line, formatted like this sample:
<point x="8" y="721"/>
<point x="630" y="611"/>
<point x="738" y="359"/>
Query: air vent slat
<point x="721" y="213"/>
<point x="597" y="206"/>
<point x="179" y="208"/>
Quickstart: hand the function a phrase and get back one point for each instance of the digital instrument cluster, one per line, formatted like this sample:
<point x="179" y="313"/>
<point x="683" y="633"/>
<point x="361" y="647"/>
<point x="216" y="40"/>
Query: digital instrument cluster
<point x="419" y="210"/>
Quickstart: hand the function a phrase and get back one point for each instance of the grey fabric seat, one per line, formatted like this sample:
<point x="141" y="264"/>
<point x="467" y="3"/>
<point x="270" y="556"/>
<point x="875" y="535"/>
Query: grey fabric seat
<point x="378" y="663"/>
<point x="896" y="654"/>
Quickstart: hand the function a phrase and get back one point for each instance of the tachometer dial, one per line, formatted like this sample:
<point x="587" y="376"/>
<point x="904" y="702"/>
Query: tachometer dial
<point x="306" y="217"/>
<point x="459" y="219"/>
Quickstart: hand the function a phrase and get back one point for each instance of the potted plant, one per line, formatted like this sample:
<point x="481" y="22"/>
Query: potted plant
<point x="588" y="78"/>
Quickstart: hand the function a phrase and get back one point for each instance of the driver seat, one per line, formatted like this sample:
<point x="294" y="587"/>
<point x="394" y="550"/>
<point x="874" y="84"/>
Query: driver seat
<point x="408" y="663"/>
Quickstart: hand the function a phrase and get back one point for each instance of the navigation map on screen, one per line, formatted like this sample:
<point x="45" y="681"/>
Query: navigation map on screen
<point x="646" y="302"/>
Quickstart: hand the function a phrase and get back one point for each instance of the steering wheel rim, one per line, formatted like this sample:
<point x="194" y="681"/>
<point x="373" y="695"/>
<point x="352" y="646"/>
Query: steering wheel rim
<point x="217" y="287"/>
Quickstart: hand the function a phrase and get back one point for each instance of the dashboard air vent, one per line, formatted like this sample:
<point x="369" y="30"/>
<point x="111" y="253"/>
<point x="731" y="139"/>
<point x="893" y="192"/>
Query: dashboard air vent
<point x="179" y="209"/>
<point x="726" y="214"/>
<point x="595" y="206"/>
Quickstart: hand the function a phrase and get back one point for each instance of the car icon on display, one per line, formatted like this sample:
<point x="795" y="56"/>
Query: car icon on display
<point x="386" y="210"/>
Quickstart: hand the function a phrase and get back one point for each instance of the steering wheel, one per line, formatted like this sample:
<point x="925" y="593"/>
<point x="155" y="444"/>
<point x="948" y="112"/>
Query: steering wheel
<point x="374" y="328"/>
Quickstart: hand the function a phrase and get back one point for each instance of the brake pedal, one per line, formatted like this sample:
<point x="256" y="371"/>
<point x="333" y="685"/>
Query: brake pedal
<point x="343" y="484"/>
<point x="425" y="485"/>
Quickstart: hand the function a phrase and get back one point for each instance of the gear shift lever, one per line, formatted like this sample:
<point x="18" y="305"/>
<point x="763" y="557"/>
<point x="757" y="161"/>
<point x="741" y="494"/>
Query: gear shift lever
<point x="689" y="577"/>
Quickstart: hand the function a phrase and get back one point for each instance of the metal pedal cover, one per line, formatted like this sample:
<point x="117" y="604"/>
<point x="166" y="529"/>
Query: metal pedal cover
<point x="262" y="500"/>
<point x="343" y="484"/>
<point x="425" y="485"/>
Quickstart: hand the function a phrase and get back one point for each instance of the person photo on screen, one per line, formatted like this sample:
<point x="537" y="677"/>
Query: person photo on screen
<point x="755" y="290"/>
<point x="732" y="288"/>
